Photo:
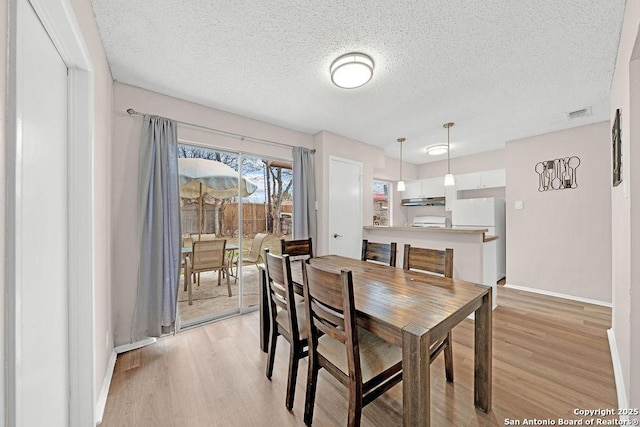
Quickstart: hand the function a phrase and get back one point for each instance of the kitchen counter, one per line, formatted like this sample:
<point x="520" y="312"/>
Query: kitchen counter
<point x="474" y="251"/>
<point x="432" y="229"/>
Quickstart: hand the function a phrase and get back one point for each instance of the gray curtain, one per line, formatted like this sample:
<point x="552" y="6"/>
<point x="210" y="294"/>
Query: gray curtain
<point x="159" y="229"/>
<point x="304" y="195"/>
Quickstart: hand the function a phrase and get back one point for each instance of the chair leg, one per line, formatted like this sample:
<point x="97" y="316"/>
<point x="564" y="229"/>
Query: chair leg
<point x="219" y="276"/>
<point x="448" y="358"/>
<point x="228" y="283"/>
<point x="293" y="375"/>
<point x="271" y="355"/>
<point x="355" y="405"/>
<point x="312" y="382"/>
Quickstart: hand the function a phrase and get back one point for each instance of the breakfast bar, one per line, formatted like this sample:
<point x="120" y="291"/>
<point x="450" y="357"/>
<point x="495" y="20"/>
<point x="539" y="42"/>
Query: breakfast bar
<point x="474" y="251"/>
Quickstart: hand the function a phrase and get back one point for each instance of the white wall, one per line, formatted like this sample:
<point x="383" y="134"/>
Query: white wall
<point x="103" y="88"/>
<point x="625" y="221"/>
<point x="329" y="144"/>
<point x="103" y="344"/>
<point x="125" y="151"/>
<point x="561" y="241"/>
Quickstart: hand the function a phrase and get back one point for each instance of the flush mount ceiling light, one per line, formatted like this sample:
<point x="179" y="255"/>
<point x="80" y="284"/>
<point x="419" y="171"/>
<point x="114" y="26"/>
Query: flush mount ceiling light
<point x="351" y="70"/>
<point x="437" y="149"/>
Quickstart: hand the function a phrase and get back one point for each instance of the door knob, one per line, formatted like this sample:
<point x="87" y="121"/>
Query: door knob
<point x="336" y="235"/>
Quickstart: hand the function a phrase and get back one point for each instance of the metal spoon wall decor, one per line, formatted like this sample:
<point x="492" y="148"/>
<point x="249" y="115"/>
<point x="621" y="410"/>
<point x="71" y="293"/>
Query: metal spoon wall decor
<point x="557" y="174"/>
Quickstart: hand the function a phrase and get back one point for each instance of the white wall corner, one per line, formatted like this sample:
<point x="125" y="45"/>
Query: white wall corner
<point x="106" y="383"/>
<point x="617" y="373"/>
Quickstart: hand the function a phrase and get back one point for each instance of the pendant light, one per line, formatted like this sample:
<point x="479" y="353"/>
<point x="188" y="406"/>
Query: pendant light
<point x="449" y="180"/>
<point x="401" y="186"/>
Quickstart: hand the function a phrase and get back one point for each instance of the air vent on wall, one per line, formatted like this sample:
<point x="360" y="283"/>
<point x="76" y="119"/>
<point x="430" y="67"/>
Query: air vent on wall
<point x="579" y="113"/>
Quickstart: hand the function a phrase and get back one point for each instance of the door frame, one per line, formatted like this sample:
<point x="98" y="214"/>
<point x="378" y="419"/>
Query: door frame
<point x="59" y="20"/>
<point x="360" y="164"/>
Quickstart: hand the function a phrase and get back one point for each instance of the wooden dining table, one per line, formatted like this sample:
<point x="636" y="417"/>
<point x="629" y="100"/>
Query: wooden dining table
<point x="412" y="310"/>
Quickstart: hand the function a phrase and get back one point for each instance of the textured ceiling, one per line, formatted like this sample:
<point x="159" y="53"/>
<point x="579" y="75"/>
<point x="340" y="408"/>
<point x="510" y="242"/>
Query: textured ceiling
<point x="501" y="70"/>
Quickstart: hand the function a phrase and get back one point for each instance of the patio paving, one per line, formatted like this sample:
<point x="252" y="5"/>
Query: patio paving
<point x="211" y="300"/>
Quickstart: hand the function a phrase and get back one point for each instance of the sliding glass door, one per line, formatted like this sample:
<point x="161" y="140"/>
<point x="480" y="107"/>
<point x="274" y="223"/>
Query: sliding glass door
<point x="244" y="200"/>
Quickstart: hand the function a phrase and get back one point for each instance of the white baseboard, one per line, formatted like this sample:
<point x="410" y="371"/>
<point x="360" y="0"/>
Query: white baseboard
<point x="559" y="295"/>
<point x="617" y="373"/>
<point x="111" y="364"/>
<point x="104" y="392"/>
<point x="134" y="345"/>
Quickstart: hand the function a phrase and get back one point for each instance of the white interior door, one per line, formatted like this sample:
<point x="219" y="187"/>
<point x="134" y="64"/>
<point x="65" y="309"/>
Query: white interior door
<point x="345" y="207"/>
<point x="40" y="359"/>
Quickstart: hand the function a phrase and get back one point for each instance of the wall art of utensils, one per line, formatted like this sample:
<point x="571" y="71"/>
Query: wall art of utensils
<point x="558" y="174"/>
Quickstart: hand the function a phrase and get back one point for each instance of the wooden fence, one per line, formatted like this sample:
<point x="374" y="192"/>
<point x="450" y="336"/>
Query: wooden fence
<point x="254" y="218"/>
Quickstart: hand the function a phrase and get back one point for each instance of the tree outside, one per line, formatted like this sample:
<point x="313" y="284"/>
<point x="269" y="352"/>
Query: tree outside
<point x="265" y="210"/>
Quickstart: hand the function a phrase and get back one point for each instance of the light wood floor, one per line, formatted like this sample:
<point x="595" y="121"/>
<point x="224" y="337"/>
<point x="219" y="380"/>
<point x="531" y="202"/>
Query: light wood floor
<point x="550" y="356"/>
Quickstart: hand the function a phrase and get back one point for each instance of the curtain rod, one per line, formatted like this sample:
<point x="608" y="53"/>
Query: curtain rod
<point x="133" y="112"/>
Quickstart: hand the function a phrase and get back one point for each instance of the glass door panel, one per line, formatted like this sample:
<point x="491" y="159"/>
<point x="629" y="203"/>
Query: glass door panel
<point x="266" y="218"/>
<point x="246" y="201"/>
<point x="209" y="211"/>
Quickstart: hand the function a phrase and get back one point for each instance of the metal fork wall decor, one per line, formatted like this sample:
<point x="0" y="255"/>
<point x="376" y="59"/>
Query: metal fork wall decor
<point x="558" y="174"/>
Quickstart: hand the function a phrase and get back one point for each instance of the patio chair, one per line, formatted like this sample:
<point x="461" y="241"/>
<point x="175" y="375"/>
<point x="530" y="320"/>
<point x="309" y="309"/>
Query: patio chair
<point x="251" y="256"/>
<point x="209" y="255"/>
<point x="187" y="242"/>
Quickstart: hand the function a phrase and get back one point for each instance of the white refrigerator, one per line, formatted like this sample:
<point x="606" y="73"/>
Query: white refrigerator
<point x="486" y="213"/>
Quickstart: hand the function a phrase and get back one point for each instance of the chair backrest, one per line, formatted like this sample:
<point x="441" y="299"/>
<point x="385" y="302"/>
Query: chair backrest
<point x="256" y="244"/>
<point x="208" y="236"/>
<point x="208" y="255"/>
<point x="379" y="252"/>
<point x="297" y="249"/>
<point x="430" y="260"/>
<point x="330" y="310"/>
<point x="280" y="288"/>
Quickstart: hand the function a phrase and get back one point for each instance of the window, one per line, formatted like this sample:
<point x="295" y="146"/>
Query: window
<point x="381" y="204"/>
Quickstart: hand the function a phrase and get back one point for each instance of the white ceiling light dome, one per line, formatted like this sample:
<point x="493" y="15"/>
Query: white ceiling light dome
<point x="437" y="149"/>
<point x="352" y="70"/>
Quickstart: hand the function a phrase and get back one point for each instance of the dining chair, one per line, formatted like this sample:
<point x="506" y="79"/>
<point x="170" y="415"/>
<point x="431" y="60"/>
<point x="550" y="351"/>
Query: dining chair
<point x="251" y="256"/>
<point x="429" y="260"/>
<point x="379" y="252"/>
<point x="297" y="249"/>
<point x="287" y="319"/>
<point x="209" y="255"/>
<point x="367" y="365"/>
<point x="440" y="262"/>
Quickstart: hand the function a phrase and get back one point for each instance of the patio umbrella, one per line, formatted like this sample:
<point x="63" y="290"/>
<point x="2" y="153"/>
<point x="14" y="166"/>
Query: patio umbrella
<point x="201" y="176"/>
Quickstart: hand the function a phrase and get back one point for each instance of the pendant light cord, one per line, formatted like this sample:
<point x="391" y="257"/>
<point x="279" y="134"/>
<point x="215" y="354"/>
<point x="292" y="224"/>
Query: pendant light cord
<point x="401" y="140"/>
<point x="448" y="126"/>
<point x="448" y="152"/>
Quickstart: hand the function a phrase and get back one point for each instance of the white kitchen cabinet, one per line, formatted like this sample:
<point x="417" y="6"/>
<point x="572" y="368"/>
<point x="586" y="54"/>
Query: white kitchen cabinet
<point x="433" y="187"/>
<point x="413" y="190"/>
<point x="485" y="179"/>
